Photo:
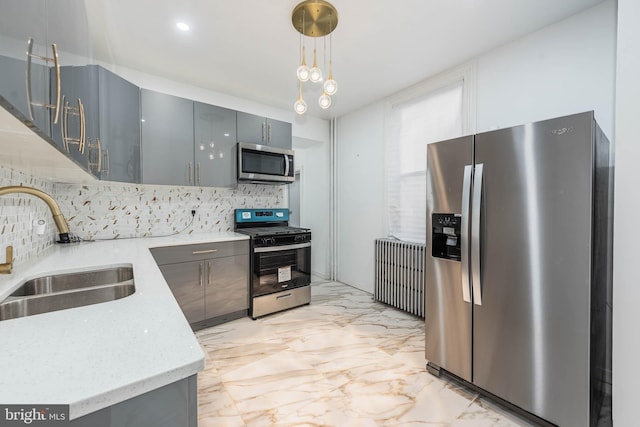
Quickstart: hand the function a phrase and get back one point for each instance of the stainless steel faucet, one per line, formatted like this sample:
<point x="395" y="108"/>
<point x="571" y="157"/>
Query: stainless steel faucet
<point x="58" y="218"/>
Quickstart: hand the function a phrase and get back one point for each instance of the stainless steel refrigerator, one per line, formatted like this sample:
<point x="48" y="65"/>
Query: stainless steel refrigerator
<point x="518" y="272"/>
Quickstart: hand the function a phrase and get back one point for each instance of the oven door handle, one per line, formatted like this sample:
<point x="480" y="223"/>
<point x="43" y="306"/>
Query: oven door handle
<point x="282" y="248"/>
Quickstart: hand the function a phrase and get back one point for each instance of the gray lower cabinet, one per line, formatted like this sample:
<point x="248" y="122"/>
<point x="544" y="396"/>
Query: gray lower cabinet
<point x="167" y="139"/>
<point x="262" y="130"/>
<point x="175" y="404"/>
<point x="209" y="281"/>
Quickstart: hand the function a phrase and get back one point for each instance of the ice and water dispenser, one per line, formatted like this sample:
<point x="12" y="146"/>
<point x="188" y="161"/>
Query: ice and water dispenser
<point x="445" y="236"/>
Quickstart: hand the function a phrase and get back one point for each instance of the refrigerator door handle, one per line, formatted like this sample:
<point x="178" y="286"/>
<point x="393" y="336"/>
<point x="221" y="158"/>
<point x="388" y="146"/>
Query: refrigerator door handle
<point x="475" y="233"/>
<point x="464" y="233"/>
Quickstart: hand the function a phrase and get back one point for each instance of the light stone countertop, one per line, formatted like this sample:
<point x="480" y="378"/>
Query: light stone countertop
<point x="95" y="356"/>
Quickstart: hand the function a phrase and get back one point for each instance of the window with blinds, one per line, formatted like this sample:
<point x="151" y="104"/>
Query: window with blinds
<point x="414" y="123"/>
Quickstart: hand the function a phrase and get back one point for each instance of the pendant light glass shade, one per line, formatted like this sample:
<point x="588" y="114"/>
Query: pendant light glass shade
<point x="300" y="106"/>
<point x="303" y="71"/>
<point x="316" y="72"/>
<point x="324" y="101"/>
<point x="330" y="85"/>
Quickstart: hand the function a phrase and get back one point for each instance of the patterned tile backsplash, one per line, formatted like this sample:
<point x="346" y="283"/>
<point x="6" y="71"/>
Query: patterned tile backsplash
<point x="111" y="210"/>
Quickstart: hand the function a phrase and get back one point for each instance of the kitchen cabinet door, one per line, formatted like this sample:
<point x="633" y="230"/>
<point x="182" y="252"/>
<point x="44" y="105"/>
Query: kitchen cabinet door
<point x="227" y="285"/>
<point x="167" y="139"/>
<point x="279" y="134"/>
<point x="21" y="20"/>
<point x="119" y="128"/>
<point x="215" y="146"/>
<point x="79" y="88"/>
<point x="261" y="130"/>
<point x="186" y="281"/>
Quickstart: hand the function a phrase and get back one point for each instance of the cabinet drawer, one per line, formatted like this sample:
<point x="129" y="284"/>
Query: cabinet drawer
<point x="173" y="254"/>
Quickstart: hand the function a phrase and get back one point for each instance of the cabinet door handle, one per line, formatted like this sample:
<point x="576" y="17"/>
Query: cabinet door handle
<point x="64" y="124"/>
<point x="106" y="163"/>
<point x="209" y="273"/>
<point x="207" y="251"/>
<point x="27" y="76"/>
<point x="201" y="276"/>
<point x="99" y="155"/>
<point x="198" y="172"/>
<point x="95" y="160"/>
<point x="83" y="126"/>
<point x="190" y="173"/>
<point x="64" y="127"/>
<point x="269" y="132"/>
<point x="56" y="62"/>
<point x="264" y="132"/>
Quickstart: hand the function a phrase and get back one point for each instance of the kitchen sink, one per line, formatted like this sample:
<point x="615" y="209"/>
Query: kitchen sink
<point x="71" y="290"/>
<point x="77" y="280"/>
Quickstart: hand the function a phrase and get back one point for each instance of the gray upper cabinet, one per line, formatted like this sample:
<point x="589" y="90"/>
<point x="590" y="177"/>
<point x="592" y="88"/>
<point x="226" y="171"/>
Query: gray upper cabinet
<point x="20" y="21"/>
<point x="261" y="130"/>
<point x="109" y="125"/>
<point x="167" y="139"/>
<point x="215" y="145"/>
<point x="119" y="129"/>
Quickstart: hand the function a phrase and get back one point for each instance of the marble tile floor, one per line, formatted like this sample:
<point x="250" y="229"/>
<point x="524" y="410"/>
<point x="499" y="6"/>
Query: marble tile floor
<point x="343" y="360"/>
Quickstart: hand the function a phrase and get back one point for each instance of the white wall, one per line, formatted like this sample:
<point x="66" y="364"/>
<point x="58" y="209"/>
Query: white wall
<point x="359" y="193"/>
<point x="626" y="284"/>
<point x="565" y="68"/>
<point x="313" y="159"/>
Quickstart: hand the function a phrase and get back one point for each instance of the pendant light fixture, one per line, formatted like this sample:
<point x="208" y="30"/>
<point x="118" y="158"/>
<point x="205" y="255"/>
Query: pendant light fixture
<point x="300" y="106"/>
<point x="315" y="18"/>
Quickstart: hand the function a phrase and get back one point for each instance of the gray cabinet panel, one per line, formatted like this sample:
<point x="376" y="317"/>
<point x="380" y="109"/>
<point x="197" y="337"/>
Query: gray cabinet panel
<point x="214" y="287"/>
<point x="186" y="281"/>
<point x="175" y="404"/>
<point x="167" y="139"/>
<point x="251" y="128"/>
<point x="19" y="21"/>
<point x="183" y="253"/>
<point x="261" y="130"/>
<point x="227" y="289"/>
<point x="215" y="144"/>
<point x="78" y="83"/>
<point x="279" y="134"/>
<point x="119" y="128"/>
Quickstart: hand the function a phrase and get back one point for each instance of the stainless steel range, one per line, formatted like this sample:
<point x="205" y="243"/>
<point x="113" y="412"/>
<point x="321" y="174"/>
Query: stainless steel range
<point x="280" y="261"/>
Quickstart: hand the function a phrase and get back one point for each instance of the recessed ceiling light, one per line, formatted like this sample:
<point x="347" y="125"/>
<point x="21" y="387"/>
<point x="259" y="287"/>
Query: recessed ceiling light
<point x="182" y="26"/>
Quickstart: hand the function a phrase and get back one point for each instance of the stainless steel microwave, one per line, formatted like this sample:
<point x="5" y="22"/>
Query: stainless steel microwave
<point x="262" y="163"/>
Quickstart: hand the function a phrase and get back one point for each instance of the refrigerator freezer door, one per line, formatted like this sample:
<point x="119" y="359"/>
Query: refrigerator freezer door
<point x="447" y="314"/>
<point x="531" y="333"/>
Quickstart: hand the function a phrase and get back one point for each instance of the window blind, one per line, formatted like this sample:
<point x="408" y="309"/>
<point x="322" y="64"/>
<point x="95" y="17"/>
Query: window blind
<point x="414" y="123"/>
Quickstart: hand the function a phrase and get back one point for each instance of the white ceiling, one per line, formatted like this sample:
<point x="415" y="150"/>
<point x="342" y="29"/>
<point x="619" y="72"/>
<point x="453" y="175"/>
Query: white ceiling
<point x="249" y="48"/>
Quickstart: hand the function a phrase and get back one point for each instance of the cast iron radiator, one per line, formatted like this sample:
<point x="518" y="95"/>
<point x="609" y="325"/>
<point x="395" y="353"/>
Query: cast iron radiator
<point x="399" y="275"/>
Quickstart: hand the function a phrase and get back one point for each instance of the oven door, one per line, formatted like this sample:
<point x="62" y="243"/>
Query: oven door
<point x="278" y="268"/>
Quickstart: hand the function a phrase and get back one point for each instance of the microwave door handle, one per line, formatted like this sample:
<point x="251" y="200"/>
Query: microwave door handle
<point x="286" y="165"/>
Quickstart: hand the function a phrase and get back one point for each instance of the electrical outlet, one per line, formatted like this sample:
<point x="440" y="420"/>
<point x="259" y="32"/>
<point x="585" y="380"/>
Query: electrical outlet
<point x="193" y="212"/>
